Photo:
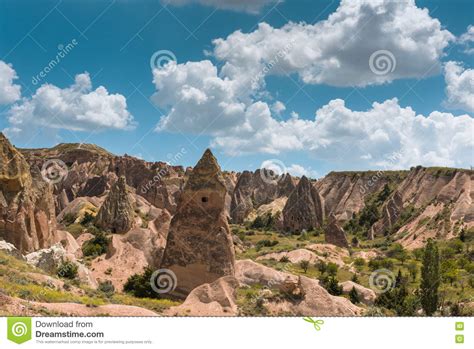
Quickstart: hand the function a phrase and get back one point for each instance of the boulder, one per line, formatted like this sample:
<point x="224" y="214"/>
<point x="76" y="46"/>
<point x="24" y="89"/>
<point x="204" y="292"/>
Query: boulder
<point x="9" y="249"/>
<point x="334" y="234"/>
<point x="215" y="299"/>
<point x="366" y="295"/>
<point x="199" y="247"/>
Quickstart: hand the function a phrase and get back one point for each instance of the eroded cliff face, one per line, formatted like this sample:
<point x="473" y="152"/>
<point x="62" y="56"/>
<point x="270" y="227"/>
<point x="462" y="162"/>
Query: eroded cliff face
<point x="430" y="202"/>
<point x="254" y="189"/>
<point x="345" y="193"/>
<point x="92" y="171"/>
<point x="199" y="248"/>
<point x="27" y="218"/>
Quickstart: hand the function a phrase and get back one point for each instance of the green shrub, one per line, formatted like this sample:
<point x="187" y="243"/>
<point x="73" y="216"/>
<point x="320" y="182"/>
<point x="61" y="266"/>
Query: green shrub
<point x="69" y="218"/>
<point x="331" y="284"/>
<point x="67" y="270"/>
<point x="265" y="243"/>
<point x="139" y="285"/>
<point x="96" y="246"/>
<point x="87" y="219"/>
<point x="354" y="296"/>
<point x="304" y="265"/>
<point x="106" y="287"/>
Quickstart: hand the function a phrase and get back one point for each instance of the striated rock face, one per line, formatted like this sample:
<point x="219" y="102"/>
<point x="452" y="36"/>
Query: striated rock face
<point x="254" y="189"/>
<point x="334" y="234"/>
<point x="344" y="193"/>
<point x="304" y="208"/>
<point x="93" y="170"/>
<point x="116" y="213"/>
<point x="199" y="248"/>
<point x="27" y="217"/>
<point x="438" y="199"/>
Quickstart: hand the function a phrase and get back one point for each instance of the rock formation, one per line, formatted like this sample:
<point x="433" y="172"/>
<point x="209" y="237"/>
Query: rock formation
<point x="253" y="189"/>
<point x="116" y="213"/>
<point x="304" y="208"/>
<point x="215" y="299"/>
<point x="199" y="248"/>
<point x="27" y="218"/>
<point x="334" y="234"/>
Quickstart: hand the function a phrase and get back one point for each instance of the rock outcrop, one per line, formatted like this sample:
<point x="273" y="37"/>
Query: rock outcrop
<point x="199" y="248"/>
<point x="334" y="234"/>
<point x="366" y="295"/>
<point x="427" y="204"/>
<point x="311" y="298"/>
<point x="215" y="299"/>
<point x="254" y="189"/>
<point x="344" y="193"/>
<point x="304" y="208"/>
<point x="27" y="218"/>
<point x="116" y="213"/>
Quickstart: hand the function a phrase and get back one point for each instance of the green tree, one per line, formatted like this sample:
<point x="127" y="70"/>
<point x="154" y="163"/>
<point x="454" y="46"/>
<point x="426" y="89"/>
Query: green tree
<point x="304" y="265"/>
<point x="413" y="270"/>
<point x="354" y="296"/>
<point x="430" y="278"/>
<point x="449" y="271"/>
<point x="332" y="269"/>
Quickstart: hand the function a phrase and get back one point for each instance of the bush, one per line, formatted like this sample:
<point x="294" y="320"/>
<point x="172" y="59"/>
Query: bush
<point x="106" y="287"/>
<point x="331" y="284"/>
<point x="87" y="219"/>
<point x="304" y="265"/>
<point x="359" y="262"/>
<point x="69" y="218"/>
<point x="284" y="259"/>
<point x="332" y="269"/>
<point x="265" y="243"/>
<point x="263" y="222"/>
<point x="139" y="285"/>
<point x="354" y="296"/>
<point x="67" y="270"/>
<point x="96" y="246"/>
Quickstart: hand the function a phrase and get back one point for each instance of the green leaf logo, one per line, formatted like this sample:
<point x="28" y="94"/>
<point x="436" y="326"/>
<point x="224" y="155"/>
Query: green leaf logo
<point x="316" y="323"/>
<point x="19" y="329"/>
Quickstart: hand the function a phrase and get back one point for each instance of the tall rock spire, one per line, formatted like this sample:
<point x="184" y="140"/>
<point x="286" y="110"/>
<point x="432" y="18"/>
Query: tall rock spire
<point x="304" y="208"/>
<point x="199" y="248"/>
<point x="116" y="213"/>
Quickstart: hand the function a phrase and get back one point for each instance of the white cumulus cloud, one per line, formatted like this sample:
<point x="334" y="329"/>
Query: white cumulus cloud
<point x="337" y="51"/>
<point x="9" y="92"/>
<point x="459" y="86"/>
<point x="78" y="108"/>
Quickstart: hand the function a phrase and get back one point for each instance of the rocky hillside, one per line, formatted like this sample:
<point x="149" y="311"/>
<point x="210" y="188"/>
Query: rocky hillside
<point x="236" y="243"/>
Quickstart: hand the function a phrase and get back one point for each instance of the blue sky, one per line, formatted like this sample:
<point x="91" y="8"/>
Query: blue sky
<point x="114" y="41"/>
